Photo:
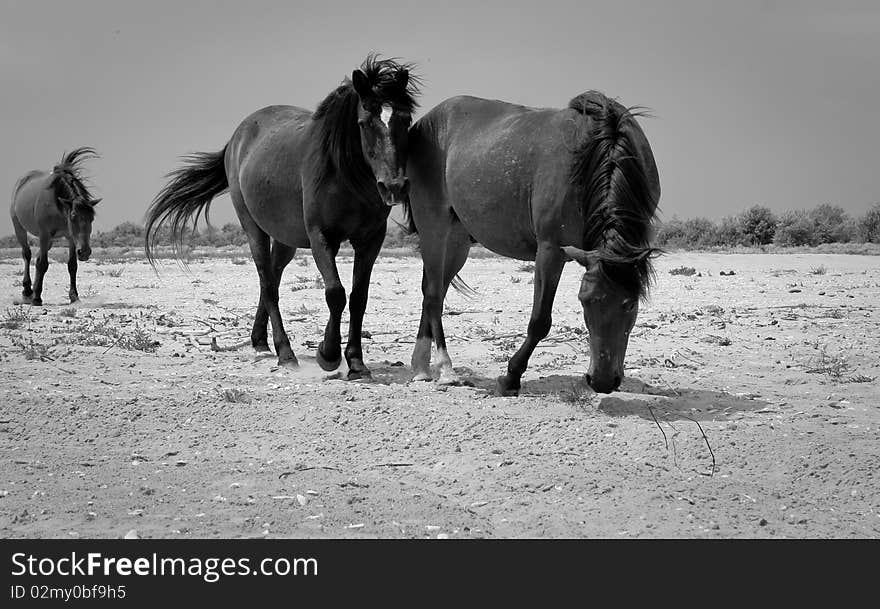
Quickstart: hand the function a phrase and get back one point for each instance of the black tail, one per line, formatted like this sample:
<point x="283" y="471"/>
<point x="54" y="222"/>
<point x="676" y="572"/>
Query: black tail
<point x="187" y="196"/>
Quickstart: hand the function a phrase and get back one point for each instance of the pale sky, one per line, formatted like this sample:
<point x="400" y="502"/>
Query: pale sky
<point x="755" y="102"/>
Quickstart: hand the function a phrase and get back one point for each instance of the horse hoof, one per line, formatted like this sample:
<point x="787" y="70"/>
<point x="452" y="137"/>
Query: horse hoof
<point x="262" y="348"/>
<point x="507" y="387"/>
<point x="354" y="375"/>
<point x="74" y="299"/>
<point x="288" y="362"/>
<point x="37" y="302"/>
<point x="423" y="376"/>
<point x="326" y="364"/>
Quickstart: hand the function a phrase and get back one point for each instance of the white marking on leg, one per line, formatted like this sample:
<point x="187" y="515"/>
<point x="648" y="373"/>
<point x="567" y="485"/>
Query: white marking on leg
<point x="385" y="116"/>
<point x="421" y="360"/>
<point x="447" y="374"/>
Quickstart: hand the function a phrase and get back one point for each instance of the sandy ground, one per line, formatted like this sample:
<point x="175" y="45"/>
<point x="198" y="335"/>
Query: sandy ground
<point x="117" y="415"/>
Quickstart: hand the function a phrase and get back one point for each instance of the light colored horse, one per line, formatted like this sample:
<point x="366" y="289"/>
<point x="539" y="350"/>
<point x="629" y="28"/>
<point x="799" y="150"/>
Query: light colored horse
<point x="50" y="204"/>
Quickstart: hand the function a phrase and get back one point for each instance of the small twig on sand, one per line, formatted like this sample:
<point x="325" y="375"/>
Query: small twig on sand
<point x="665" y="441"/>
<point x="284" y="475"/>
<point x="393" y="465"/>
<point x="500" y="336"/>
<point x="671" y="388"/>
<point x="674" y="449"/>
<point x="709" y="446"/>
<point x="202" y="321"/>
<point x="238" y="345"/>
<point x="118" y="338"/>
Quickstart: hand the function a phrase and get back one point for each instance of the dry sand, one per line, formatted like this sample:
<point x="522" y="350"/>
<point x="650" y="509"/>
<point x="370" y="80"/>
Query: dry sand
<point x="777" y="365"/>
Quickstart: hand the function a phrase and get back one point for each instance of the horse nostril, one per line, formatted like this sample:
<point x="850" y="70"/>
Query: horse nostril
<point x="383" y="190"/>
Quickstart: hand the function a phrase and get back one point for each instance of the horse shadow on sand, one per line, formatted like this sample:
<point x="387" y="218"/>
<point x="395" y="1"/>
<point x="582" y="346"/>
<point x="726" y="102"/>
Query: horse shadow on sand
<point x="635" y="397"/>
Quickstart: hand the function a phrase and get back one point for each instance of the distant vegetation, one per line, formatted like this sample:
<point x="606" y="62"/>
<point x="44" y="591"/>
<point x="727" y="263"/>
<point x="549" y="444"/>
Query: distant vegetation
<point x="754" y="227"/>
<point x="131" y="235"/>
<point x="758" y="226"/>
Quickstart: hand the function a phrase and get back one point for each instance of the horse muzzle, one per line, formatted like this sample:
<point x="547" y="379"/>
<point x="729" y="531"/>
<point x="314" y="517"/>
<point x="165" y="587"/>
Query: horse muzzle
<point x="394" y="192"/>
<point x="604" y="384"/>
<point x="83" y="253"/>
<point x="604" y="374"/>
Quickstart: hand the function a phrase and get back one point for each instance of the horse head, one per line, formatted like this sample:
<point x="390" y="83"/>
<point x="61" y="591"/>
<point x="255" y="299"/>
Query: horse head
<point x="78" y="209"/>
<point x="74" y="200"/>
<point x="386" y="94"/>
<point x="610" y="290"/>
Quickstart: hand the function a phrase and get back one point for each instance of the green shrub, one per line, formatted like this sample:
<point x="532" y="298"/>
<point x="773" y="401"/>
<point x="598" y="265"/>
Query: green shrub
<point x="795" y="228"/>
<point x="730" y="232"/>
<point x="757" y="225"/>
<point x="831" y="224"/>
<point x="868" y="226"/>
<point x="691" y="233"/>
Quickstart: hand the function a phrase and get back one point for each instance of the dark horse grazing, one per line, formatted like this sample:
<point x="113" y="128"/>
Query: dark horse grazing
<point x="536" y="184"/>
<point x="303" y="179"/>
<point x="52" y="204"/>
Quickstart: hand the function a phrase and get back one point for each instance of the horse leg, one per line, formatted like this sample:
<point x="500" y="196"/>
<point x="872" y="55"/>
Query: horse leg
<point x="71" y="270"/>
<point x="444" y="251"/>
<point x="41" y="266"/>
<point x="280" y="256"/>
<point x="421" y="355"/>
<point x="365" y="253"/>
<point x="458" y="246"/>
<point x="329" y="353"/>
<point x="549" y="262"/>
<point x="260" y="330"/>
<point x="261" y="253"/>
<point x="21" y="235"/>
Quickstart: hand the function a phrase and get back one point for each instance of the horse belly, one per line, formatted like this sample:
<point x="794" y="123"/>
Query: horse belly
<point x="273" y="198"/>
<point x="277" y="209"/>
<point x="495" y="215"/>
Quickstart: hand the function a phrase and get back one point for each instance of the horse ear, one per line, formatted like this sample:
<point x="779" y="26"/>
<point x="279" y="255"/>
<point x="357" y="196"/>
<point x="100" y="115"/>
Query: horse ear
<point x="361" y="84"/>
<point x="95" y="202"/>
<point x="582" y="257"/>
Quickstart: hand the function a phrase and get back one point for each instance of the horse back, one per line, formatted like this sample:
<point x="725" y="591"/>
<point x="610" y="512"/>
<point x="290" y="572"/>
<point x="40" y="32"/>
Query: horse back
<point x="502" y="165"/>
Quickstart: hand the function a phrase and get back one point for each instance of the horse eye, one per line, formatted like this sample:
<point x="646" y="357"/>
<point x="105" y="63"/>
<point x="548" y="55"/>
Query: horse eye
<point x="629" y="306"/>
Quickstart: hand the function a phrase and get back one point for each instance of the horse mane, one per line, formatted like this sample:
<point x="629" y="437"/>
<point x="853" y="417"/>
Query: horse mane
<point x="68" y="180"/>
<point x="338" y="153"/>
<point x="618" y="207"/>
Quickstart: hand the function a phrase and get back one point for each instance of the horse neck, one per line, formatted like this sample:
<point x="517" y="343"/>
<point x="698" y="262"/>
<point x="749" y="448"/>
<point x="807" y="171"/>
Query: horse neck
<point x="336" y="156"/>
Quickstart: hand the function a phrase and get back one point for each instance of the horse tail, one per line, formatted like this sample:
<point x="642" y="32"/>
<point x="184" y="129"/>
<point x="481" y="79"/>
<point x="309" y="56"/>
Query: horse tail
<point x="186" y="196"/>
<point x="463" y="288"/>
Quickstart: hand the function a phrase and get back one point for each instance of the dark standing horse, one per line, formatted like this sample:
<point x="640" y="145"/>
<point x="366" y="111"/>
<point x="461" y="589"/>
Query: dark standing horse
<point x="303" y="179"/>
<point x="53" y="204"/>
<point x="536" y="184"/>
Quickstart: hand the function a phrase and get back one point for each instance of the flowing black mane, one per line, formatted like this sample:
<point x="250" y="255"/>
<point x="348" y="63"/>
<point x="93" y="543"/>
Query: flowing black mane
<point x="338" y="152"/>
<point x="618" y="204"/>
<point x="69" y="182"/>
